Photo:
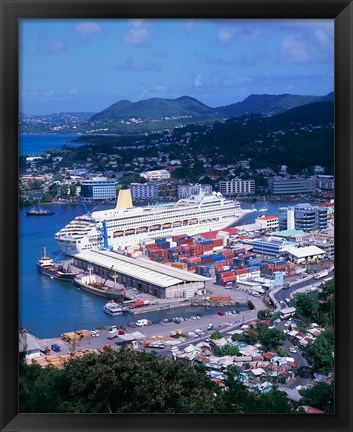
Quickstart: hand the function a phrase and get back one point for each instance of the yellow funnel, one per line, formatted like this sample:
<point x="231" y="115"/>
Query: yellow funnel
<point x="124" y="199"/>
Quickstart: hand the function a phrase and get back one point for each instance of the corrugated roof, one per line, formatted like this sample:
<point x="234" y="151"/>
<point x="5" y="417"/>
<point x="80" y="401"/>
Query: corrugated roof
<point x="141" y="268"/>
<point x="305" y="251"/>
<point x="288" y="233"/>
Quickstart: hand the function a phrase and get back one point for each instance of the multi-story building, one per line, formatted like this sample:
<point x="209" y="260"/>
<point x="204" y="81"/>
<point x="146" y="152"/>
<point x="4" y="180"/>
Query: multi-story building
<point x="237" y="187"/>
<point x="268" y="222"/>
<point x="325" y="182"/>
<point x="144" y="191"/>
<point x="156" y="175"/>
<point x="99" y="188"/>
<point x="186" y="191"/>
<point x="303" y="217"/>
<point x="273" y="246"/>
<point x="291" y="186"/>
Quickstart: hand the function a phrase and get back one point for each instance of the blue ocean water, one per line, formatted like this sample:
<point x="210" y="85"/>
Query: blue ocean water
<point x="31" y="145"/>
<point x="49" y="307"/>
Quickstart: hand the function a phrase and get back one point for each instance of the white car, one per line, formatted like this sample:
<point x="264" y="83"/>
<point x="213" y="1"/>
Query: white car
<point x="292" y="350"/>
<point x="174" y="349"/>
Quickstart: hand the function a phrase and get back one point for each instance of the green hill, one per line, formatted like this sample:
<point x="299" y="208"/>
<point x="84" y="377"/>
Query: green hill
<point x="156" y="109"/>
<point x="269" y="104"/>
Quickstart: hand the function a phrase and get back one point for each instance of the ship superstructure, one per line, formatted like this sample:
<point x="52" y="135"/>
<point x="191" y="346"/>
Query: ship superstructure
<point x="126" y="225"/>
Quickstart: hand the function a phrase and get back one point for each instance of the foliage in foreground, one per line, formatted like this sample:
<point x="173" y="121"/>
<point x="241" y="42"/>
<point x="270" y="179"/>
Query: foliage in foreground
<point x="133" y="382"/>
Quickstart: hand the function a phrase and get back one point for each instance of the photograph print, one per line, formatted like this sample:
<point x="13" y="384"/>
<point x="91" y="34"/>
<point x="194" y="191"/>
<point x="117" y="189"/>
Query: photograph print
<point x="176" y="216"/>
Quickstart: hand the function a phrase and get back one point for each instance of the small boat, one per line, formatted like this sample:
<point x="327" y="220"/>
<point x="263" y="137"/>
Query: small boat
<point x="130" y="231"/>
<point x="167" y="225"/>
<point x="46" y="266"/>
<point x="112" y="308"/>
<point x="39" y="212"/>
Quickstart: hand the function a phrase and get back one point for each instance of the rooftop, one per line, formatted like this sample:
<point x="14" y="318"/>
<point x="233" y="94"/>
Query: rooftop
<point x="305" y="251"/>
<point x="141" y="268"/>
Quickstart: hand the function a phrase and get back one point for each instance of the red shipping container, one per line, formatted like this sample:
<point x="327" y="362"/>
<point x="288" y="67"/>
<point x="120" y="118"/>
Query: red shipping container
<point x="226" y="274"/>
<point x="229" y="279"/>
<point x="241" y="271"/>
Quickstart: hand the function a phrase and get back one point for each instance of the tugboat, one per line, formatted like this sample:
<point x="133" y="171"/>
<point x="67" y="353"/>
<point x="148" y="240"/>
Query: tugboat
<point x="46" y="266"/>
<point x="39" y="212"/>
<point x="89" y="283"/>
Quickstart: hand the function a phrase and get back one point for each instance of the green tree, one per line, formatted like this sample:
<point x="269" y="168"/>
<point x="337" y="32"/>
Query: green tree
<point x="251" y="336"/>
<point x="273" y="402"/>
<point x="264" y="314"/>
<point x="307" y="306"/>
<point x="227" y="350"/>
<point x="320" y="354"/>
<point x="216" y="335"/>
<point x="117" y="382"/>
<point x="320" y="396"/>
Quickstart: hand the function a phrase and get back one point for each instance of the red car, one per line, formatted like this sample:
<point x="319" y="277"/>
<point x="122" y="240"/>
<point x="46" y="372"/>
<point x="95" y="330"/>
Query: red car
<point x="220" y="313"/>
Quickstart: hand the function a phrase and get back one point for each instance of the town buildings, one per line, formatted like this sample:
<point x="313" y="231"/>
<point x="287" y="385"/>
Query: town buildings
<point x="185" y="191"/>
<point x="98" y="188"/>
<point x="144" y="191"/>
<point x="237" y="187"/>
<point x="291" y="186"/>
<point x="304" y="217"/>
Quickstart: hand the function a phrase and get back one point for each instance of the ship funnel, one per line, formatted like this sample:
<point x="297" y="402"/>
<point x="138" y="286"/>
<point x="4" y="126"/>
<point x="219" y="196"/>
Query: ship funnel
<point x="124" y="199"/>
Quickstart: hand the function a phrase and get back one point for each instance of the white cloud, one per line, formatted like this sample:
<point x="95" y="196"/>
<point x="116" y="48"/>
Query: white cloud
<point x="137" y="34"/>
<point x="87" y="28"/>
<point x="294" y="50"/>
<point x="73" y="92"/>
<point x="226" y="35"/>
<point x="198" y="81"/>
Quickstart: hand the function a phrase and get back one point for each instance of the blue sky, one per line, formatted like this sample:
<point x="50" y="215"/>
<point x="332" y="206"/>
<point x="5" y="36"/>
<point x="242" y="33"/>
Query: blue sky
<point x="87" y="65"/>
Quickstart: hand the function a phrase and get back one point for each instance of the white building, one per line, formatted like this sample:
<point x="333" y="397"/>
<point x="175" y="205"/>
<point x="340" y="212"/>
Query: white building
<point x="305" y="253"/>
<point x="142" y="191"/>
<point x="237" y="186"/>
<point x="186" y="191"/>
<point x="156" y="175"/>
<point x="98" y="188"/>
<point x="268" y="222"/>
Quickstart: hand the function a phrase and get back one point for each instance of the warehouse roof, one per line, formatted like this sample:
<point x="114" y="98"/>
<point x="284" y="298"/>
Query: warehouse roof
<point x="288" y="233"/>
<point x="306" y="251"/>
<point x="140" y="268"/>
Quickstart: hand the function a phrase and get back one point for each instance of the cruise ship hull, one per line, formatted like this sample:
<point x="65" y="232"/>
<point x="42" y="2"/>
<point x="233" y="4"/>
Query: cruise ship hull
<point x="119" y="228"/>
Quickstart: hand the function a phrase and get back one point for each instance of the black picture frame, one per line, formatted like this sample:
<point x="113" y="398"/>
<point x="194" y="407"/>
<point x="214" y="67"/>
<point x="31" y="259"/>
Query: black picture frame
<point x="11" y="12"/>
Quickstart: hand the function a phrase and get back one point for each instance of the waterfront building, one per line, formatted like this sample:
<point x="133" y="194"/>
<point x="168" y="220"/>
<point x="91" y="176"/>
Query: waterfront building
<point x="268" y="222"/>
<point x="291" y="186"/>
<point x="156" y="175"/>
<point x="144" y="191"/>
<point x="186" y="191"/>
<point x="148" y="276"/>
<point x="98" y="188"/>
<point x="304" y="217"/>
<point x="325" y="182"/>
<point x="306" y="253"/>
<point x="237" y="187"/>
<point x="292" y="234"/>
<point x="272" y="246"/>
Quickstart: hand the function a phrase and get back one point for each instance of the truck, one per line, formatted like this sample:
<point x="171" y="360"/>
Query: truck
<point x="320" y="274"/>
<point x="113" y="334"/>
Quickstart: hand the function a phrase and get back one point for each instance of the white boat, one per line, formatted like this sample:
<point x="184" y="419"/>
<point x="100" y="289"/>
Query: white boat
<point x="113" y="308"/>
<point x="264" y="208"/>
<point x="126" y="225"/>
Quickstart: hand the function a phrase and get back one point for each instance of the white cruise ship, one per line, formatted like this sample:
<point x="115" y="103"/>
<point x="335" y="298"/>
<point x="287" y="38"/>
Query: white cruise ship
<point x="126" y="225"/>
